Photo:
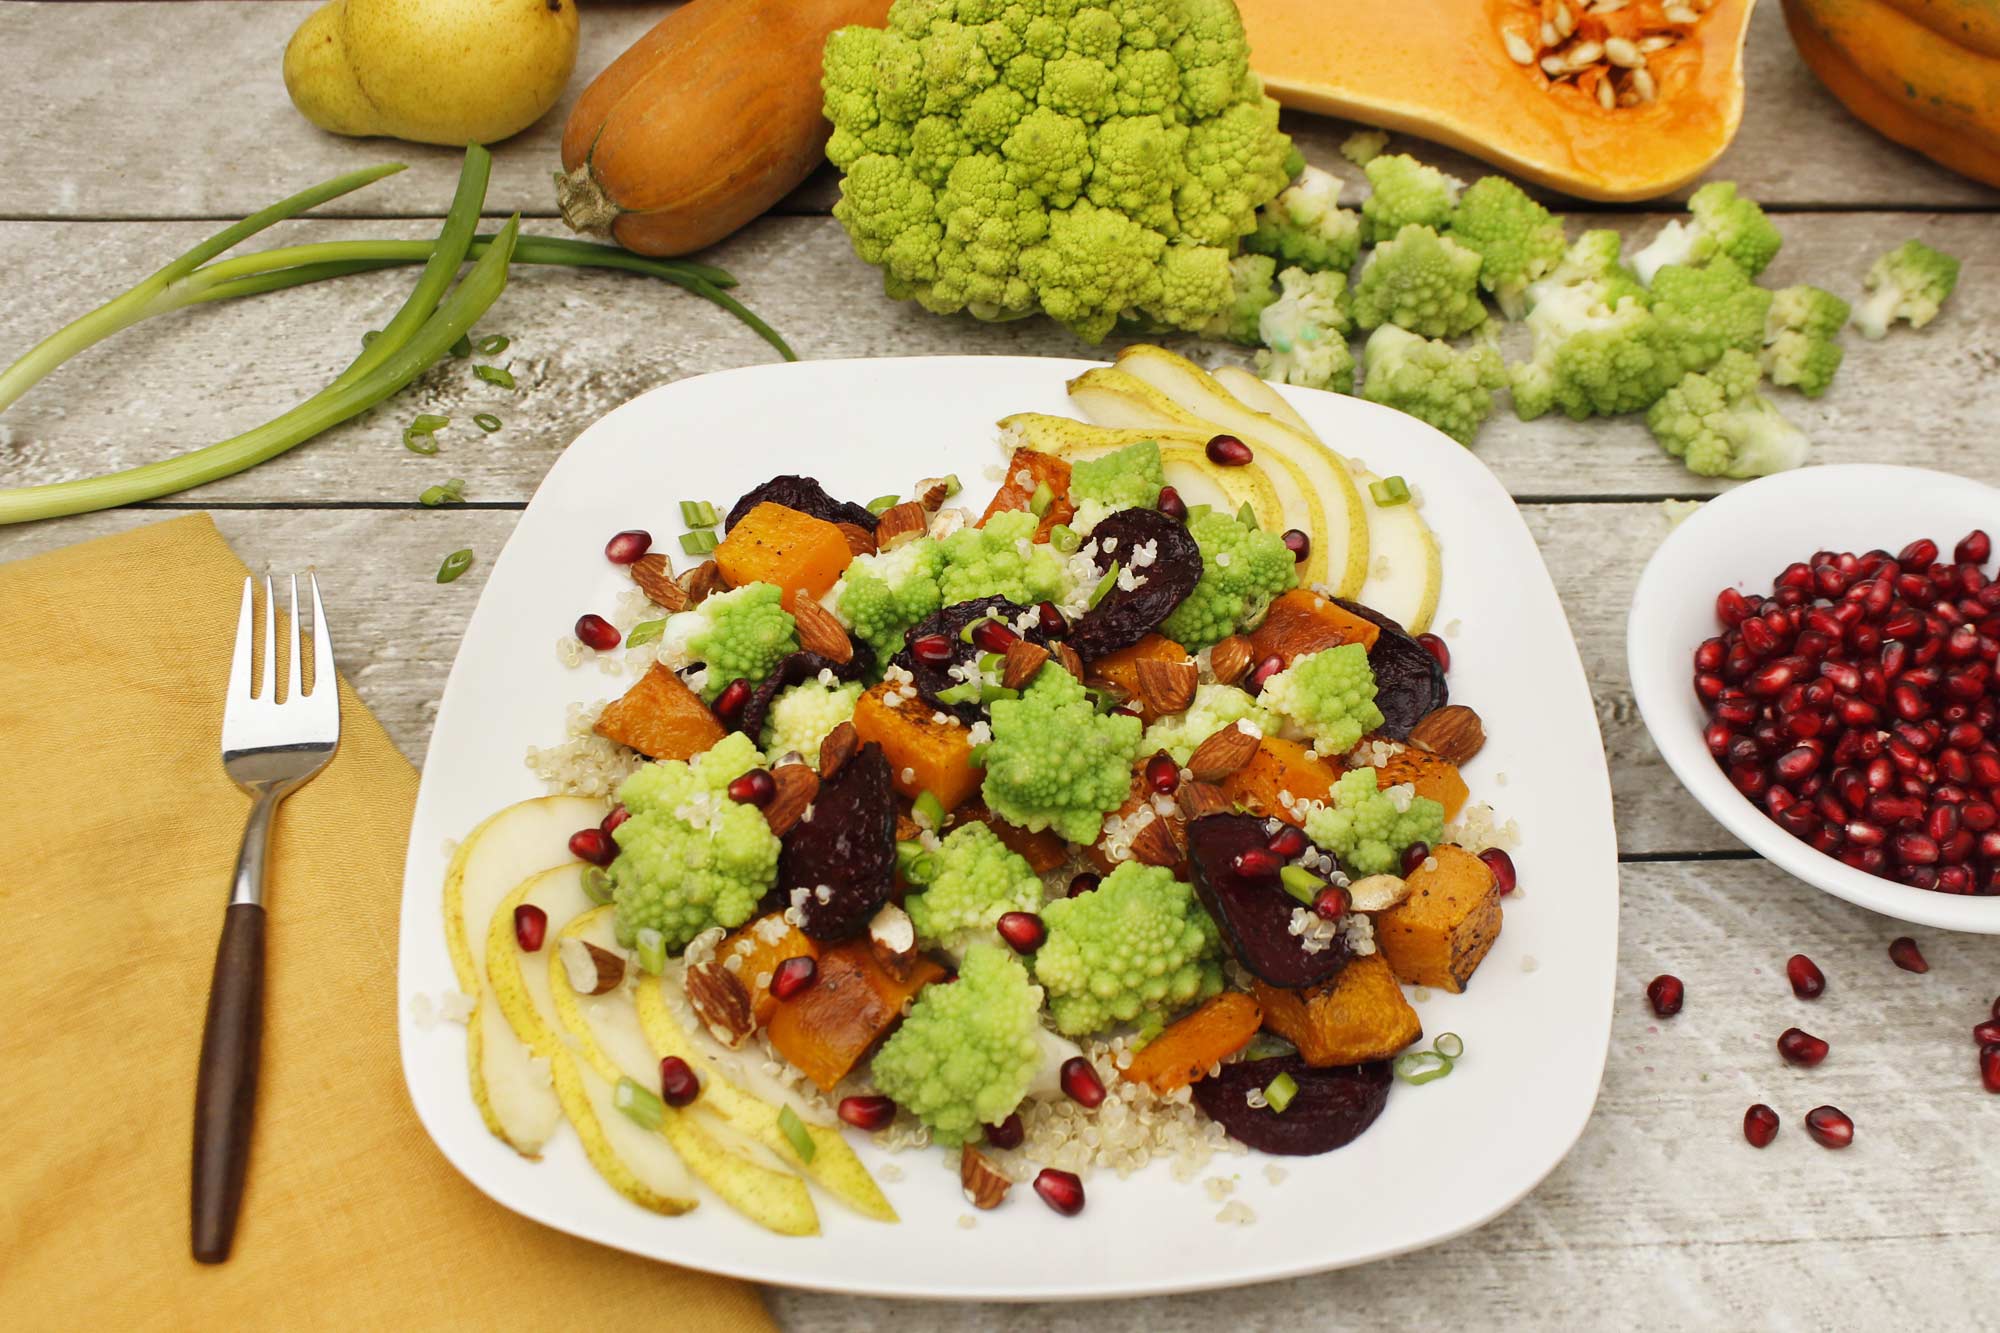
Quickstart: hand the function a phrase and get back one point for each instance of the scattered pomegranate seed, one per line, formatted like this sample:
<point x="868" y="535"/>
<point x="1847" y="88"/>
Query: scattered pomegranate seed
<point x="1989" y="1031"/>
<point x="1414" y="857"/>
<point x="1800" y="1047"/>
<point x="1051" y="618"/>
<point x="597" y="632"/>
<point x="932" y="648"/>
<point x="729" y="703"/>
<point x="867" y="1113"/>
<point x="1288" y="843"/>
<point x="1806" y="978"/>
<point x="1829" y="1127"/>
<point x="793" y="976"/>
<point x="1760" y="1125"/>
<point x="1008" y="1133"/>
<point x="1255" y="861"/>
<point x="619" y="814"/>
<point x="1263" y="671"/>
<point x="1297" y="543"/>
<point x="1060" y="1190"/>
<point x="1441" y="651"/>
<point x="531" y="927"/>
<point x="1162" y="773"/>
<point x="1903" y="952"/>
<point x="1082" y="884"/>
<point x="678" y="1084"/>
<point x="626" y="547"/>
<point x="1666" y="994"/>
<point x="1975" y="548"/>
<point x="756" y="787"/>
<point x="1023" y="931"/>
<point x="1331" y="902"/>
<point x="1502" y="866"/>
<point x="990" y="636"/>
<point x="1172" y="505"/>
<point x="1081" y="1083"/>
<point x="1989" y="1066"/>
<point x="1228" y="451"/>
<point x="593" y="845"/>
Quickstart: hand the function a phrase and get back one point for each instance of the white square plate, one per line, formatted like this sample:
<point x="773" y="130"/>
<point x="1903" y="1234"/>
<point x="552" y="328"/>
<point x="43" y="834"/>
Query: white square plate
<point x="1443" y="1159"/>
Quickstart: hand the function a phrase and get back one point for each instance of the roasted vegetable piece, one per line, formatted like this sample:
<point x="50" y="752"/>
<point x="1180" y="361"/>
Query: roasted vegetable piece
<point x="1252" y="908"/>
<point x="1043" y="850"/>
<point x="930" y="678"/>
<point x="1440" y="932"/>
<point x="1055" y="762"/>
<point x="1151" y="550"/>
<point x="924" y="755"/>
<point x="1281" y="767"/>
<point x="800" y="554"/>
<point x="839" y="865"/>
<point x="1433" y="776"/>
<point x="1408" y="681"/>
<point x="1331" y="1108"/>
<point x="1028" y="470"/>
<point x="828" y="1028"/>
<point x="792" y="670"/>
<point x="805" y="495"/>
<point x="1301" y="621"/>
<point x="1184" y="1052"/>
<point x="759" y="946"/>
<point x="969" y="1052"/>
<point x="1120" y="670"/>
<point x="1360" y="1015"/>
<point x="1138" y="944"/>
<point x="660" y="717"/>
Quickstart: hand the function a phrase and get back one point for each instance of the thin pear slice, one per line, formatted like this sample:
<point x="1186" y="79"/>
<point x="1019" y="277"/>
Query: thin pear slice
<point x="1405" y="571"/>
<point x="1258" y="395"/>
<point x="1110" y="397"/>
<point x="513" y="1094"/>
<point x="1194" y="389"/>
<point x="1183" y="458"/>
<point x="638" y="1163"/>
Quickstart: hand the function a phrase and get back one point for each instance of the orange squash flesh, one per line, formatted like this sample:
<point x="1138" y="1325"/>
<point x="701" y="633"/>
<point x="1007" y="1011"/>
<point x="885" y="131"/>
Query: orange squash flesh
<point x="760" y="957"/>
<point x="1439" y="71"/>
<point x="827" y="1028"/>
<point x="1302" y="622"/>
<point x="1042" y="469"/>
<point x="1431" y="775"/>
<point x="936" y="756"/>
<point x="660" y="717"/>
<point x="1281" y="767"/>
<point x="1183" y="1053"/>
<point x="1359" y="1015"/>
<point x="774" y="544"/>
<point x="1120" y="670"/>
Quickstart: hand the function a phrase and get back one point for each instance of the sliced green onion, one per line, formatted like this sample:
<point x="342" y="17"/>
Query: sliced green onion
<point x="1301" y="883"/>
<point x="1065" y="539"/>
<point x="597" y="884"/>
<point x="1280" y="1091"/>
<point x="698" y="514"/>
<point x="965" y="693"/>
<point x="641" y="1106"/>
<point x="928" y="810"/>
<point x="492" y="345"/>
<point x="652" y="951"/>
<point x="1419" y="1067"/>
<point x="915" y="864"/>
<point x="951" y="486"/>
<point x="455" y="564"/>
<point x="1104" y="585"/>
<point x="795" y="1134"/>
<point x="645" y="632"/>
<point x="429" y="423"/>
<point x="1247" y="516"/>
<point x="965" y="634"/>
<point x="1450" y="1045"/>
<point x="991" y="662"/>
<point x="451" y="493"/>
<point x="486" y="421"/>
<point x="495" y="375"/>
<point x="419" y="442"/>
<point x="462" y="348"/>
<point x="1390" y="491"/>
<point x="1039" y="502"/>
<point x="977" y="756"/>
<point x="883" y="503"/>
<point x="698" y="543"/>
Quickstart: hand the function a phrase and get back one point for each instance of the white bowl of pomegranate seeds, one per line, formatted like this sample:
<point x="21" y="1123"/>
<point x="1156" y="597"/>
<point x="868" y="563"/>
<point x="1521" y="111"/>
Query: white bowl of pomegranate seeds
<point x="1814" y="654"/>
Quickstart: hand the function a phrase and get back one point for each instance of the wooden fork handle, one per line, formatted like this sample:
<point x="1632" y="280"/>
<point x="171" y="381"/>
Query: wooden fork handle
<point x="226" y="1085"/>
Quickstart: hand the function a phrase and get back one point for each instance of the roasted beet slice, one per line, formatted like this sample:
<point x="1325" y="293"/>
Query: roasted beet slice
<point x="805" y="495"/>
<point x="1125" y="616"/>
<point x="934" y="676"/>
<point x="793" y="670"/>
<point x="1253" y="909"/>
<point x="1409" y="683"/>
<point x="847" y="847"/>
<point x="1330" y="1110"/>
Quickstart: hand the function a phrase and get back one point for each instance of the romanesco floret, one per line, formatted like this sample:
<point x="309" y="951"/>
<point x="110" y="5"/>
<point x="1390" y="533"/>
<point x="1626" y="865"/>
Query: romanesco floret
<point x="1517" y="239"/>
<point x="1705" y="311"/>
<point x="880" y="596"/>
<point x="1328" y="695"/>
<point x="1215" y="706"/>
<point x="1802" y="339"/>
<point x="1364" y="146"/>
<point x="1128" y="478"/>
<point x="1909" y="283"/>
<point x="800" y="717"/>
<point x="741" y="634"/>
<point x="1592" y="355"/>
<point x="1366" y="829"/>
<point x="1003" y="559"/>
<point x="1138" y="944"/>
<point x="1304" y="332"/>
<point x="1596" y="259"/>
<point x="1405" y="192"/>
<point x="969" y="1051"/>
<point x="1088" y="160"/>
<point x="1720" y="426"/>
<point x="1054" y="761"/>
<point x="1432" y="380"/>
<point x="1306" y="226"/>
<point x="1722" y="224"/>
<point x="1242" y="569"/>
<point x="689" y="857"/>
<point x="1425" y="282"/>
<point x="1250" y="278"/>
<point x="978" y="880"/>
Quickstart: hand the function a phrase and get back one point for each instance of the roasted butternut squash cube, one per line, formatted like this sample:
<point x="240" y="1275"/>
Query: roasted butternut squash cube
<point x="924" y="755"/>
<point x="759" y="946"/>
<point x="1043" y="849"/>
<point x="1301" y="622"/>
<point x="1438" y="934"/>
<point x="660" y="717"/>
<point x="1120" y="670"/>
<point x="774" y="544"/>
<point x="1163" y="842"/>
<point x="1192" y="1044"/>
<point x="1357" y="1015"/>
<point x="1014" y="493"/>
<point x="1431" y="774"/>
<point x="830" y="1027"/>
<point x="1281" y="769"/>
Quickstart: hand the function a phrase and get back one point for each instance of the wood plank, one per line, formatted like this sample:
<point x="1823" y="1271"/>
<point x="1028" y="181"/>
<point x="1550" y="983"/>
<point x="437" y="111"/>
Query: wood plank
<point x="103" y="128"/>
<point x="583" y="343"/>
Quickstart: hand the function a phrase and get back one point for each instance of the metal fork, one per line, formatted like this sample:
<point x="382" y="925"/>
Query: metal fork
<point x="271" y="749"/>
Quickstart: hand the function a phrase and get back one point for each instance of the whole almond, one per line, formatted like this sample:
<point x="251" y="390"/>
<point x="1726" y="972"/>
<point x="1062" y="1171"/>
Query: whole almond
<point x="838" y="747"/>
<point x="1453" y="732"/>
<point x="1230" y="660"/>
<point x="1070" y="661"/>
<point x="591" y="970"/>
<point x="901" y="523"/>
<point x="798" y="785"/>
<point x="820" y="633"/>
<point x="1222" y="754"/>
<point x="984" y="1184"/>
<point x="1202" y="798"/>
<point x="860" y="541"/>
<point x="720" y="1000"/>
<point x="1167" y="687"/>
<point x="656" y="580"/>
<point x="1155" y="845"/>
<point x="703" y="581"/>
<point x="1024" y="659"/>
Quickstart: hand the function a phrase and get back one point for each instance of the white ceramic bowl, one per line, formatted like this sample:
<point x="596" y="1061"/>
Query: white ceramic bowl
<point x="1744" y="539"/>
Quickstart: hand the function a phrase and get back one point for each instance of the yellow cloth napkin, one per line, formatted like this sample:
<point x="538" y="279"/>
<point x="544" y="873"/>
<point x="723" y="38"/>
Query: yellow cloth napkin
<point x="119" y="831"/>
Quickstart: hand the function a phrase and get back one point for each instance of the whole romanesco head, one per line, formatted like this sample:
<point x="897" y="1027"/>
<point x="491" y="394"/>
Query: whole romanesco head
<point x="1405" y="192"/>
<point x="689" y="858"/>
<point x="1242" y="569"/>
<point x="1802" y="339"/>
<point x="1306" y="226"/>
<point x="880" y="596"/>
<point x="1054" y="761"/>
<point x="1597" y="352"/>
<point x="1432" y="380"/>
<point x="1215" y="706"/>
<point x="1138" y="944"/>
<point x="740" y="634"/>
<point x="1518" y="240"/>
<point x="1250" y="291"/>
<point x="977" y="882"/>
<point x="1720" y="426"/>
<point x="1705" y="311"/>
<point x="1909" y="283"/>
<point x="1721" y="223"/>
<point x="1422" y="281"/>
<point x="799" y="718"/>
<point x="1367" y="828"/>
<point x="1328" y="695"/>
<point x="1088" y="160"/>
<point x="968" y="1051"/>
<point x="1002" y="559"/>
<point x="1304" y="332"/>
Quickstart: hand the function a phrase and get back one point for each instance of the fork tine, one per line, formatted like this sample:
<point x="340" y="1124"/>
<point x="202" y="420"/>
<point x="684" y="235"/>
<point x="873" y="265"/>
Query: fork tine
<point x="294" y="682"/>
<point x="268" y="690"/>
<point x="323" y="676"/>
<point x="239" y="661"/>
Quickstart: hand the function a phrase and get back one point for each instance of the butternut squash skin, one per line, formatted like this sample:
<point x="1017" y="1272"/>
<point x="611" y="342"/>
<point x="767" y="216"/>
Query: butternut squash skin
<point x="704" y="123"/>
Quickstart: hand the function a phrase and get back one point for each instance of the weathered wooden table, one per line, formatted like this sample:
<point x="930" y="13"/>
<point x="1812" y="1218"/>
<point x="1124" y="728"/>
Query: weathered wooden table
<point x="133" y="128"/>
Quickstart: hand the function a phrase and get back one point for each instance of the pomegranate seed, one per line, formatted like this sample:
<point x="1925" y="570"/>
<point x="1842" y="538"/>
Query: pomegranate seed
<point x="1795" y="763"/>
<point x="1989" y="1066"/>
<point x="1915" y="849"/>
<point x="1731" y="608"/>
<point x="1829" y="1127"/>
<point x="1264" y="670"/>
<point x="793" y="976"/>
<point x="1297" y="543"/>
<point x="593" y="845"/>
<point x="1502" y="866"/>
<point x="756" y="787"/>
<point x="619" y="814"/>
<point x="1666" y="993"/>
<point x="1331" y="903"/>
<point x="1441" y="652"/>
<point x="1758" y="637"/>
<point x="1904" y="953"/>
<point x="1023" y="931"/>
<point x="678" y="1085"/>
<point x="1760" y="1125"/>
<point x="1082" y="884"/>
<point x="1770" y="681"/>
<point x="1708" y="657"/>
<point x="626" y="547"/>
<point x="1060" y="1190"/>
<point x="1172" y="505"/>
<point x="1414" y="857"/>
<point x="990" y="636"/>
<point x="729" y="703"/>
<point x="1052" y="622"/>
<point x="531" y="927"/>
<point x="1228" y="451"/>
<point x="1987" y="1031"/>
<point x="1162" y="773"/>
<point x="1800" y="1047"/>
<point x="1808" y="982"/>
<point x="867" y="1113"/>
<point x="1255" y="861"/>
<point x="1864" y="834"/>
<point x="1919" y="552"/>
<point x="1081" y="1084"/>
<point x="932" y="648"/>
<point x="1288" y="843"/>
<point x="597" y="632"/>
<point x="1008" y="1133"/>
<point x="1975" y="548"/>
